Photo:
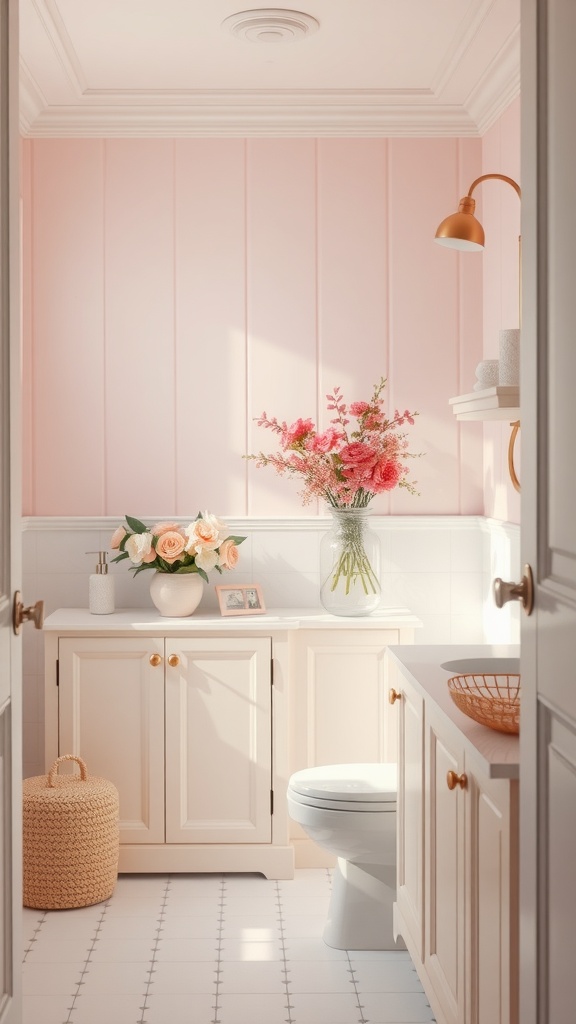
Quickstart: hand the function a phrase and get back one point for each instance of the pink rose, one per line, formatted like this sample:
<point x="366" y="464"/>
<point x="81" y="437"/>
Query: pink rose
<point x="161" y="528"/>
<point x="117" y="536"/>
<point x="296" y="432"/>
<point x="358" y="455"/>
<point x="228" y="554"/>
<point x="325" y="442"/>
<point x="385" y="475"/>
<point x="359" y="408"/>
<point x="170" y="546"/>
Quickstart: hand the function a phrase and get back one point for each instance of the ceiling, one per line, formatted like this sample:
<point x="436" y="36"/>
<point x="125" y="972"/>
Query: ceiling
<point x="170" y="68"/>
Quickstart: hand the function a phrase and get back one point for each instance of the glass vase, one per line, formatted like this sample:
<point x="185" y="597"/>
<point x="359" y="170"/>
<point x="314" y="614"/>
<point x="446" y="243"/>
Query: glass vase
<point x="350" y="564"/>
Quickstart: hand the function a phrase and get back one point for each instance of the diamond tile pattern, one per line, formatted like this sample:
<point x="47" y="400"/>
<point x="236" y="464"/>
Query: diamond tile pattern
<point x="210" y="949"/>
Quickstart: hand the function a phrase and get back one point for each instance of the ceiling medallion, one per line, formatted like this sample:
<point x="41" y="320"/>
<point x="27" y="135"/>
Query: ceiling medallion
<point x="271" y="25"/>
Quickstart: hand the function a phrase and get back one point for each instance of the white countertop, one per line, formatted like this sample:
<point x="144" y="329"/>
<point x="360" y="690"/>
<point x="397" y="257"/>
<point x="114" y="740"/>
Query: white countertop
<point x="495" y="754"/>
<point x="142" y="620"/>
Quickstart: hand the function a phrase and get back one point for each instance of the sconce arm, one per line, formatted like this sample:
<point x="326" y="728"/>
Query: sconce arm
<point x="500" y="177"/>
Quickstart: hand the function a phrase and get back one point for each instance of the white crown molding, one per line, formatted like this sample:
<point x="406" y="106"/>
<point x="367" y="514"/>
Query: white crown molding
<point x="462" y="43"/>
<point x="498" y="87"/>
<point x="32" y="102"/>
<point x="357" y="116"/>
<point x="55" y="29"/>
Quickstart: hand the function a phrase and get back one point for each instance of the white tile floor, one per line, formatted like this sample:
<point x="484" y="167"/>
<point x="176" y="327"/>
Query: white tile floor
<point x="210" y="949"/>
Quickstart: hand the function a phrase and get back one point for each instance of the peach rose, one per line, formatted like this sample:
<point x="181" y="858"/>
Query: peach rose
<point x="170" y="546"/>
<point x="228" y="554"/>
<point x="161" y="528"/>
<point x="117" y="536"/>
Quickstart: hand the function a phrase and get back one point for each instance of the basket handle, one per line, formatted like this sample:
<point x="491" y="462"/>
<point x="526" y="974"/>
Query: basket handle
<point x="67" y="757"/>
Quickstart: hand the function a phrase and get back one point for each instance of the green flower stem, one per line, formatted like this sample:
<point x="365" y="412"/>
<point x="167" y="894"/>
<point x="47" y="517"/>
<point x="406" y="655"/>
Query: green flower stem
<point x="353" y="564"/>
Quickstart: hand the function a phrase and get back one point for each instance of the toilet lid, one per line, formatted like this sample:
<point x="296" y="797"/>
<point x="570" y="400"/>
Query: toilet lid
<point x="368" y="784"/>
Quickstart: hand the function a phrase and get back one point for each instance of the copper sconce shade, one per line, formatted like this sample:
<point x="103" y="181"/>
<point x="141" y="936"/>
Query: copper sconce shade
<point x="463" y="230"/>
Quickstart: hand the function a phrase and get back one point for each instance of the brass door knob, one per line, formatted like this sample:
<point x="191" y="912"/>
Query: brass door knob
<point x="454" y="780"/>
<point x="173" y="660"/>
<point x="394" y="696"/>
<point x="155" y="660"/>
<point x="523" y="591"/>
<point x="34" y="613"/>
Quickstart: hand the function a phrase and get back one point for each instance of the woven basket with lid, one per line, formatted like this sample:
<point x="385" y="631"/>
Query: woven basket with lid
<point x="70" y="838"/>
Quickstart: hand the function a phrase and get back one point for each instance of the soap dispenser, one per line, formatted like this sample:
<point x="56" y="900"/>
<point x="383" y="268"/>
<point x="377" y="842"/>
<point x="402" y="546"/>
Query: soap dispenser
<point x="101" y="589"/>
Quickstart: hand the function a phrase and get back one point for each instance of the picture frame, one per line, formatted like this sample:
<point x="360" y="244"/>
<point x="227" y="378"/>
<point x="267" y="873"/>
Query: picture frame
<point x="240" y="599"/>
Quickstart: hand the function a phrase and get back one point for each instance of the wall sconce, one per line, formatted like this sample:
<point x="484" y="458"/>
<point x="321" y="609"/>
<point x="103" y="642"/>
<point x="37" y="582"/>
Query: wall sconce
<point x="463" y="231"/>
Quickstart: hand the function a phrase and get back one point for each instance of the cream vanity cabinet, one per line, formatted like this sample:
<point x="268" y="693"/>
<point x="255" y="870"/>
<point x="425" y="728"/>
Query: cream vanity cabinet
<point x="184" y="725"/>
<point x="457" y="897"/>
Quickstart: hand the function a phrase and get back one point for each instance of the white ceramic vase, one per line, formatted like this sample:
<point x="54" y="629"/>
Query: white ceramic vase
<point x="176" y="594"/>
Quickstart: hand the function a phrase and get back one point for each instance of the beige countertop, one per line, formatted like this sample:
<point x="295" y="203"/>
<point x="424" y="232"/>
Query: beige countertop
<point x="495" y="754"/>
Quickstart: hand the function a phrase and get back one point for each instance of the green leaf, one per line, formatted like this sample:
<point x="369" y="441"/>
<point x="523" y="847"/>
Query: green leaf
<point x="135" y="525"/>
<point x="186" y="569"/>
<point x="142" y="568"/>
<point x="202" y="574"/>
<point x="120" y="558"/>
<point x="237" y="540"/>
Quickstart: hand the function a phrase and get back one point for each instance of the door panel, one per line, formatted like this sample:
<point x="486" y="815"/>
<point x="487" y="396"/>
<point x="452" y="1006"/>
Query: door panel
<point x="218" y="741"/>
<point x="410" y="867"/>
<point x="10" y="527"/>
<point x="445" y="866"/>
<point x="548" y="895"/>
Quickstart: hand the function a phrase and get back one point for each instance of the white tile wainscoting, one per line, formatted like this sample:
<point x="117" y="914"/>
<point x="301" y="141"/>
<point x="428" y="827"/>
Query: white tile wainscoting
<point x="440" y="567"/>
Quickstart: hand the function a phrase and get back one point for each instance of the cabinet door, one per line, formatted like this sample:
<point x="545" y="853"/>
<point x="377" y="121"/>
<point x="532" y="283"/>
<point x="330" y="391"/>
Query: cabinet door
<point x="111" y="713"/>
<point x="445" y="813"/>
<point x="341" y="712"/>
<point x="218" y="741"/>
<point x="410" y="824"/>
<point x="493" y="899"/>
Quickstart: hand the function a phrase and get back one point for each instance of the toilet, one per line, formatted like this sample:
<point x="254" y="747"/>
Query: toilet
<point x="350" y="810"/>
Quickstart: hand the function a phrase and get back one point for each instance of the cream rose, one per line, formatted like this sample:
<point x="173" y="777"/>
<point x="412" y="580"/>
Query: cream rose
<point x="170" y="546"/>
<point x="206" y="559"/>
<point x="228" y="554"/>
<point x="223" y="531"/>
<point x="202" y="536"/>
<point x="138" y="546"/>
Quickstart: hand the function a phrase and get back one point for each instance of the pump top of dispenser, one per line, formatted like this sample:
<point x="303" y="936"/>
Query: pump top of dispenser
<point x="102" y="564"/>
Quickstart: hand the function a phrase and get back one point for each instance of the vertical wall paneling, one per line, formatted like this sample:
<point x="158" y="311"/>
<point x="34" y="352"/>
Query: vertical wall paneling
<point x="501" y="219"/>
<point x="353" y="294"/>
<point x="211" y="410"/>
<point x="281" y="297"/>
<point x="424" y="324"/>
<point x="68" y="313"/>
<point x="470" y="435"/>
<point x="175" y="289"/>
<point x="28" y="476"/>
<point x="139" y="326"/>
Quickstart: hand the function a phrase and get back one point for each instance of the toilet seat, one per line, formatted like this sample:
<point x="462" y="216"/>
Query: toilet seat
<point x="369" y="788"/>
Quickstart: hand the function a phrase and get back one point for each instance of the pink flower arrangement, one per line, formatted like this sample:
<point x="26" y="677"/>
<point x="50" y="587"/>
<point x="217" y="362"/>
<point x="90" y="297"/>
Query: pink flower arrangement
<point x="346" y="467"/>
<point x="205" y="544"/>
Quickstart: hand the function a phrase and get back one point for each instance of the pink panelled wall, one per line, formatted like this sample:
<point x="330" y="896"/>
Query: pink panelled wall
<point x="174" y="289"/>
<point x="501" y="220"/>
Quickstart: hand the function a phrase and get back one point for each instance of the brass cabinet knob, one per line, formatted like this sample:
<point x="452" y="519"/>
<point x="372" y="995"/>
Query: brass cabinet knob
<point x="454" y="780"/>
<point x="155" y="660"/>
<point x="173" y="660"/>
<point x="394" y="695"/>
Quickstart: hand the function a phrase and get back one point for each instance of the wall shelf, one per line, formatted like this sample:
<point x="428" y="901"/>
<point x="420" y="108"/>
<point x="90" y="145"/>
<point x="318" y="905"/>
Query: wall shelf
<point x="497" y="403"/>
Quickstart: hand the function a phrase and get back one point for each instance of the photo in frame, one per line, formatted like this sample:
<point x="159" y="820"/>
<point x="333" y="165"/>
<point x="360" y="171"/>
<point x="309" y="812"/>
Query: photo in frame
<point x="240" y="600"/>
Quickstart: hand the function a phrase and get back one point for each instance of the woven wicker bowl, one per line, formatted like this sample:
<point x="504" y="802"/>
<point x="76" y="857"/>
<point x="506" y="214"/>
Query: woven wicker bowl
<point x="492" y="700"/>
